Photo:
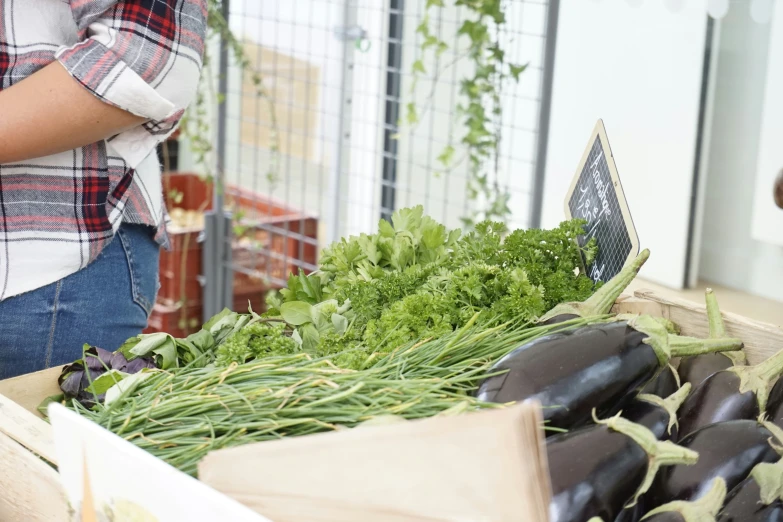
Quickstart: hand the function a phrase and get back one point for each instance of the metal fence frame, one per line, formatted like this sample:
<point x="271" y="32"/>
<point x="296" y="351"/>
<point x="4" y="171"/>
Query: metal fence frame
<point x="218" y="277"/>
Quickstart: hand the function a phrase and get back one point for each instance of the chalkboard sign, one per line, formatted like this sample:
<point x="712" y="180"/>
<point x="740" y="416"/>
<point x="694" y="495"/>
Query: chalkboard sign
<point x="596" y="196"/>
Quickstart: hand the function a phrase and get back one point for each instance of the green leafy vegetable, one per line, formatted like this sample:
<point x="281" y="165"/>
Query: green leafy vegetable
<point x="416" y="279"/>
<point x="256" y="340"/>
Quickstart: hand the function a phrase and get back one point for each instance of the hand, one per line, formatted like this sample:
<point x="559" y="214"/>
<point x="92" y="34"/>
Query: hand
<point x="50" y="112"/>
<point x="779" y="190"/>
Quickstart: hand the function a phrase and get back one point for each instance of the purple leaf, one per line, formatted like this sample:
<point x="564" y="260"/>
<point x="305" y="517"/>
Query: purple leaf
<point x="118" y="361"/>
<point x="97" y="358"/>
<point x="136" y="365"/>
<point x="71" y="383"/>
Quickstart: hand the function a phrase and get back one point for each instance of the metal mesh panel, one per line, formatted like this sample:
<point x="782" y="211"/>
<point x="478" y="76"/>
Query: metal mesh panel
<point x="317" y="151"/>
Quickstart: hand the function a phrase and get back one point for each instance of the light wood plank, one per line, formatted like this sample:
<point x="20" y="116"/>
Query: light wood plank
<point x="30" y="490"/>
<point x="27" y="429"/>
<point x="761" y="339"/>
<point x="29" y="391"/>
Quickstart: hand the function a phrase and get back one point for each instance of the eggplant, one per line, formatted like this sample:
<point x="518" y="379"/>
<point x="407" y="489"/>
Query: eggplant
<point x="774" y="408"/>
<point x="656" y="414"/>
<point x="633" y="513"/>
<point x="741" y="392"/>
<point x="601" y="302"/>
<point x="728" y="450"/>
<point x="667" y="382"/>
<point x="697" y="368"/>
<point x="597" y="470"/>
<point x="597" y="366"/>
<point x="703" y="509"/>
<point x="758" y="498"/>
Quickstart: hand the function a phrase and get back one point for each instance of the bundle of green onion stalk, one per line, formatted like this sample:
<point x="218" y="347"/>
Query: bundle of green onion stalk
<point x="181" y="415"/>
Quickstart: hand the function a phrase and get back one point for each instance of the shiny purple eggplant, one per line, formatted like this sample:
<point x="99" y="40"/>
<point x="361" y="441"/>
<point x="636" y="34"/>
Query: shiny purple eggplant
<point x="633" y="513"/>
<point x="741" y="392"/>
<point x="656" y="414"/>
<point x="667" y="382"/>
<point x="728" y="450"/>
<point x="598" y="469"/>
<point x="704" y="509"/>
<point x="597" y="366"/>
<point x="758" y="498"/>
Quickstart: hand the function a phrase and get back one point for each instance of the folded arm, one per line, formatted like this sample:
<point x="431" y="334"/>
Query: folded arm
<point x="127" y="81"/>
<point x="49" y="112"/>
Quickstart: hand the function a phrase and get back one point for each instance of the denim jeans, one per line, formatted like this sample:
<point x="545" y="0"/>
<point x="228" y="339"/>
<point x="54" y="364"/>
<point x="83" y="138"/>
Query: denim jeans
<point x="103" y="305"/>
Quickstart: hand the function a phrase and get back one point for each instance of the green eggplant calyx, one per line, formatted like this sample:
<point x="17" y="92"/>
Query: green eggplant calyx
<point x="776" y="441"/>
<point x="603" y="299"/>
<point x="669" y="325"/>
<point x="671" y="403"/>
<point x="704" y="509"/>
<point x="737" y="357"/>
<point x="717" y="327"/>
<point x="657" y="336"/>
<point x="769" y="477"/>
<point x="676" y="375"/>
<point x="760" y="378"/>
<point x="659" y="453"/>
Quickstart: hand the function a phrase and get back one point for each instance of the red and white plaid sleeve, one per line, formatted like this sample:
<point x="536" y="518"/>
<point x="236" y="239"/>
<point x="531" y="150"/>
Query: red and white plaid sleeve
<point x="143" y="56"/>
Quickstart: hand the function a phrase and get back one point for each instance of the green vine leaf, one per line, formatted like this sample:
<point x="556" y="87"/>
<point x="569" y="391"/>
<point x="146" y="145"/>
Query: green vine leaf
<point x="418" y="67"/>
<point x="446" y="155"/>
<point x="435" y="3"/>
<point x="430" y="41"/>
<point x="412" y="114"/>
<point x="516" y="70"/>
<point x="424" y="27"/>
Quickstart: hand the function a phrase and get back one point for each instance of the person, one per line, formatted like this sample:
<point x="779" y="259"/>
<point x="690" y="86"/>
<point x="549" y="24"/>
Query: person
<point x="88" y="89"/>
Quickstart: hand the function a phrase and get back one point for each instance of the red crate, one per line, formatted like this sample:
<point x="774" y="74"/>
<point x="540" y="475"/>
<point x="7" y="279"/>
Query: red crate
<point x="279" y="241"/>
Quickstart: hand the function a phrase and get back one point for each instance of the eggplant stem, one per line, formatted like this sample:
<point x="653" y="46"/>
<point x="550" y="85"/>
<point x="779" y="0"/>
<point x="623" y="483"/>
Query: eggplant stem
<point x="681" y="346"/>
<point x="603" y="299"/>
<point x="671" y="403"/>
<point x="769" y="477"/>
<point x="667" y="345"/>
<point x="659" y="453"/>
<point x="760" y="378"/>
<point x="704" y="509"/>
<point x="717" y="326"/>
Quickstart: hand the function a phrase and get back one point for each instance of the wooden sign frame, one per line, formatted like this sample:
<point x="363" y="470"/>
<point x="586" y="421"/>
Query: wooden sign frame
<point x="600" y="132"/>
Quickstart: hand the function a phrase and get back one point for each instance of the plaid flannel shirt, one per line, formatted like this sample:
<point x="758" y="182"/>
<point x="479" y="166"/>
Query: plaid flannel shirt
<point x="57" y="213"/>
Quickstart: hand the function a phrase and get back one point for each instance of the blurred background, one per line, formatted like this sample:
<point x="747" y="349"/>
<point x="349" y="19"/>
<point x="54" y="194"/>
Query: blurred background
<point x="317" y="118"/>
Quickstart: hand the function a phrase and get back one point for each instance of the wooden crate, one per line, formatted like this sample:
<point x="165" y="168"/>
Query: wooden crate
<point x="29" y="486"/>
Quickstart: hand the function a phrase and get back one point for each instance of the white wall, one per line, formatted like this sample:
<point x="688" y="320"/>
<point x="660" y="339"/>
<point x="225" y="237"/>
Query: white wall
<point x="767" y="217"/>
<point x="730" y="255"/>
<point x="639" y="68"/>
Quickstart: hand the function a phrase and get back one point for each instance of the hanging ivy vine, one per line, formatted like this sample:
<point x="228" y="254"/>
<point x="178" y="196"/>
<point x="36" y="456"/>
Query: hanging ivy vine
<point x="196" y="124"/>
<point x="480" y="108"/>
